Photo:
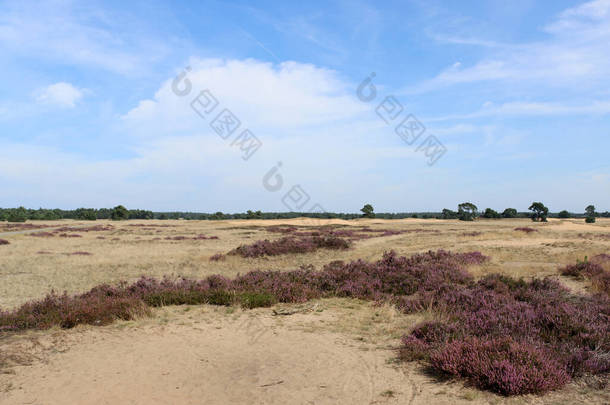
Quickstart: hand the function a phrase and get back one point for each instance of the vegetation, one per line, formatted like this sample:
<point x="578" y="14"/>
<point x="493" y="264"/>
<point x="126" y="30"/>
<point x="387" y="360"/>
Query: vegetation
<point x="367" y="211"/>
<point x="539" y="212"/>
<point x="590" y="214"/>
<point x="563" y="214"/>
<point x="17" y="215"/>
<point x="489" y="213"/>
<point x="509" y="213"/>
<point x="506" y="335"/>
<point x="467" y="211"/>
<point x="119" y="213"/>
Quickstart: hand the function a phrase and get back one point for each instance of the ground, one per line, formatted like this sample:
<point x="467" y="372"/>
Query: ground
<point x="327" y="351"/>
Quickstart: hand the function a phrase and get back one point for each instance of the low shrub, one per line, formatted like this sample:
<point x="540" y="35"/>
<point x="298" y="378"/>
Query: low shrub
<point x="501" y="365"/>
<point x="526" y="229"/>
<point x="583" y="269"/>
<point x="507" y="335"/>
<point x="217" y="257"/>
<point x="4" y="242"/>
<point x="290" y="244"/>
<point x="257" y="300"/>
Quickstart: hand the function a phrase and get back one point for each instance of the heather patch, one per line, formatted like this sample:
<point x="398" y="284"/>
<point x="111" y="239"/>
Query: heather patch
<point x="526" y="229"/>
<point x="290" y="244"/>
<point x="506" y="335"/>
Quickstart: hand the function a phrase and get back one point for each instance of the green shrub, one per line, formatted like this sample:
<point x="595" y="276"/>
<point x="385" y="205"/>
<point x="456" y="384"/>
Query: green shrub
<point x="257" y="300"/>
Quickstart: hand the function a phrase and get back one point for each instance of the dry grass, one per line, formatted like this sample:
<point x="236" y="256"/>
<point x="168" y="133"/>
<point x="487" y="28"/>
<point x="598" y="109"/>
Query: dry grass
<point x="128" y="252"/>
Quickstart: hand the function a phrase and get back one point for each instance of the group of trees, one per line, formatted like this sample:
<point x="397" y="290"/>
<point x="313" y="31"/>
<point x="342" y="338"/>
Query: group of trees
<point x="539" y="212"/>
<point x="22" y="214"/>
<point x="465" y="211"/>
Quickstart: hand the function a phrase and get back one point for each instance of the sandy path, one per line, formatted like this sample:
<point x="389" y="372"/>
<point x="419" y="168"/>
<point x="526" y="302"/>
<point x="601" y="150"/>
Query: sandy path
<point x="236" y="363"/>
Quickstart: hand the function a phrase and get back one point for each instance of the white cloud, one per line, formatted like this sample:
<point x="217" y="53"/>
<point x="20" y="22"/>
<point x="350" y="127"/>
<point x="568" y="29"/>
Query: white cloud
<point x="60" y="94"/>
<point x="266" y="98"/>
<point x="574" y="56"/>
<point x="82" y="34"/>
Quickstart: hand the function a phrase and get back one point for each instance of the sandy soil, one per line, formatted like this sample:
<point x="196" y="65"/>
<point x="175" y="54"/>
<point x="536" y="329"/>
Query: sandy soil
<point x="324" y="352"/>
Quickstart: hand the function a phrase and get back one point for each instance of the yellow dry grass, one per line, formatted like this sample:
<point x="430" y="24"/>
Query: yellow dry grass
<point x="32" y="266"/>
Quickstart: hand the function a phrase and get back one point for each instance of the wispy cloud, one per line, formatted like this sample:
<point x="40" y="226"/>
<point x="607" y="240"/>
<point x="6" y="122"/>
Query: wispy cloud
<point x="574" y="55"/>
<point x="61" y="94"/>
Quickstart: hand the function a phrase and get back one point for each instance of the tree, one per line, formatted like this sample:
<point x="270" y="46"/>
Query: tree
<point x="509" y="213"/>
<point x="367" y="211"/>
<point x="489" y="213"/>
<point x="254" y="214"/>
<point x="590" y="214"/>
<point x="17" y="215"/>
<point x="563" y="214"/>
<point x="119" y="213"/>
<point x="539" y="211"/>
<point x="467" y="211"/>
<point x="449" y="214"/>
<point x="87" y="214"/>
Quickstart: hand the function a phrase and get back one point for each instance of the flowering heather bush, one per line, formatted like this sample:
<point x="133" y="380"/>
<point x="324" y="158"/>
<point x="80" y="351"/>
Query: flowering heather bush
<point x="290" y="244"/>
<point x="507" y="335"/>
<point x="217" y="257"/>
<point x="94" y="228"/>
<point x="203" y="237"/>
<point x="581" y="270"/>
<point x="542" y="319"/>
<point x="501" y="365"/>
<point x="67" y="312"/>
<point x="353" y="233"/>
<point x="475" y="233"/>
<point x="42" y="234"/>
<point x="526" y="229"/>
<point x="4" y="242"/>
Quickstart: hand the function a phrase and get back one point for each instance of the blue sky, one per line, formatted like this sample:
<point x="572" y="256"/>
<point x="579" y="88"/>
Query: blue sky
<point x="518" y="94"/>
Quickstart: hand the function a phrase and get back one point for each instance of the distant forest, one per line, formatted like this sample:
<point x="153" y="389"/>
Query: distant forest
<point x="22" y="214"/>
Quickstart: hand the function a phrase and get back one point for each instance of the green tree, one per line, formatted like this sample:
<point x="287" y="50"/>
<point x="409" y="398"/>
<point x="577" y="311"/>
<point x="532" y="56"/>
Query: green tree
<point x="467" y="211"/>
<point x="563" y="214"/>
<point x="509" y="213"/>
<point x="489" y="213"/>
<point x="119" y="213"/>
<point x="539" y="211"/>
<point x="590" y="214"/>
<point x="87" y="214"/>
<point x="17" y="215"/>
<point x="449" y="214"/>
<point x="367" y="211"/>
<point x="254" y="214"/>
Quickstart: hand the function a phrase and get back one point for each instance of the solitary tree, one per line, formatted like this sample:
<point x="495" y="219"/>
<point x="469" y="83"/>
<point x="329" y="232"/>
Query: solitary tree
<point x="563" y="214"/>
<point x="467" y="211"/>
<point x="590" y="214"/>
<point x="367" y="211"/>
<point x="539" y="211"/>
<point x="509" y="213"/>
<point x="119" y="213"/>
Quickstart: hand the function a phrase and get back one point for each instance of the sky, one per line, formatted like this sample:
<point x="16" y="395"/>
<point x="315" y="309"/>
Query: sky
<point x="305" y="106"/>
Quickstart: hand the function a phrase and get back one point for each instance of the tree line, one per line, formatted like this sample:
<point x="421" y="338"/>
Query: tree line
<point x="466" y="211"/>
